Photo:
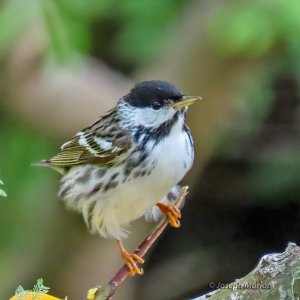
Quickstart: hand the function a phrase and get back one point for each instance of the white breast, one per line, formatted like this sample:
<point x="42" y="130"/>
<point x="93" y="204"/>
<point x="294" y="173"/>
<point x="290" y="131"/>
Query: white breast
<point x="173" y="157"/>
<point x="170" y="158"/>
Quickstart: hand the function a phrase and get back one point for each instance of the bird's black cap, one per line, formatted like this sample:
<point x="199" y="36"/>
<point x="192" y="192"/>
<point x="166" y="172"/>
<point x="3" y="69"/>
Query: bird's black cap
<point x="146" y="93"/>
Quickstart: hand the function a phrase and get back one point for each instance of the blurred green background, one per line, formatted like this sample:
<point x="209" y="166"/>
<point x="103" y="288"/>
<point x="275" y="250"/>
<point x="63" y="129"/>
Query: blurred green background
<point x="65" y="62"/>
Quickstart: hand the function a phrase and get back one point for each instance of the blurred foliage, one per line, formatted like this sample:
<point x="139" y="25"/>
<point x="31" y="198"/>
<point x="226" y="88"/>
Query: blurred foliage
<point x="253" y="28"/>
<point x="272" y="182"/>
<point x="23" y="145"/>
<point x="30" y="195"/>
<point x="266" y="31"/>
<point x="14" y="19"/>
<point x="142" y="26"/>
<point x="139" y="28"/>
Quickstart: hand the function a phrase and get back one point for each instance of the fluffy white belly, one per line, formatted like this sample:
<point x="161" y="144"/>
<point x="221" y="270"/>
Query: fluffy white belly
<point x="172" y="158"/>
<point x="109" y="213"/>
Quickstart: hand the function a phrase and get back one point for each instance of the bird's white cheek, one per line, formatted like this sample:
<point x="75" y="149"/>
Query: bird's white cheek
<point x="149" y="117"/>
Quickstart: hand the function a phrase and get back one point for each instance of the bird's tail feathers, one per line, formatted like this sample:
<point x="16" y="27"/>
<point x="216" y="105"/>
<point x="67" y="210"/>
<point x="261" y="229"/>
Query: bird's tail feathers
<point x="47" y="163"/>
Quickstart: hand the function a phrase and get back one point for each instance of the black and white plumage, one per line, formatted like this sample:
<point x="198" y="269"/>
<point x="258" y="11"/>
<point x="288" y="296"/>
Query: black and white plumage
<point x="117" y="169"/>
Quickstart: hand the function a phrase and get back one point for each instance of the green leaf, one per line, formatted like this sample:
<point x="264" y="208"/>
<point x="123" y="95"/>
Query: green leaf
<point x="21" y="293"/>
<point x="40" y="288"/>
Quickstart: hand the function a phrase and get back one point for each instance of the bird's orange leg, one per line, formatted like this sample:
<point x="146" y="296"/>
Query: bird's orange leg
<point x="131" y="260"/>
<point x="172" y="212"/>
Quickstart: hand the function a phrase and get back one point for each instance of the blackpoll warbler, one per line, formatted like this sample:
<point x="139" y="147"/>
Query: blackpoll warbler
<point x="128" y="163"/>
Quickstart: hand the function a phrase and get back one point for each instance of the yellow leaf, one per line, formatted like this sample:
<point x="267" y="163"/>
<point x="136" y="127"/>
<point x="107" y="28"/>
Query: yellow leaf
<point x="33" y="296"/>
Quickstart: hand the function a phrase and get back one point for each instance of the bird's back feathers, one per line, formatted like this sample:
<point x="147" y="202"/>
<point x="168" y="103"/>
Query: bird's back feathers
<point x="101" y="143"/>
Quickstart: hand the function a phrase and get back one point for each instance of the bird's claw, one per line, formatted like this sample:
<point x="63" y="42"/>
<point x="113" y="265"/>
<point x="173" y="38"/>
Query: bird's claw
<point x="131" y="260"/>
<point x="172" y="212"/>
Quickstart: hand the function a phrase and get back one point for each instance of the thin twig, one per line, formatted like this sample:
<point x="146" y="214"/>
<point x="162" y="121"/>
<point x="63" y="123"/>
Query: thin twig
<point x="107" y="291"/>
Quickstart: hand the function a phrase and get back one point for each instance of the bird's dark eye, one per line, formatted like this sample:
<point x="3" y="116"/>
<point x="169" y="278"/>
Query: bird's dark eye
<point x="156" y="105"/>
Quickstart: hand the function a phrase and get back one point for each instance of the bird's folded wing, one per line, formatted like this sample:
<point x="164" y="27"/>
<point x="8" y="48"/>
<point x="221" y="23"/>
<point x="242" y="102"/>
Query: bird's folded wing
<point x="86" y="148"/>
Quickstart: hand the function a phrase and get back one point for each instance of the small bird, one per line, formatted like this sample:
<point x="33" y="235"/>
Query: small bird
<point x="128" y="162"/>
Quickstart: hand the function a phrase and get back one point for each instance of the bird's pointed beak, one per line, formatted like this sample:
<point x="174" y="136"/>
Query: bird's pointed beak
<point x="185" y="101"/>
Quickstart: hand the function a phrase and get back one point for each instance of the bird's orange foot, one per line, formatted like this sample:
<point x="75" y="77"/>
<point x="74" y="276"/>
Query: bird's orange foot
<point x="172" y="212"/>
<point x="131" y="260"/>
